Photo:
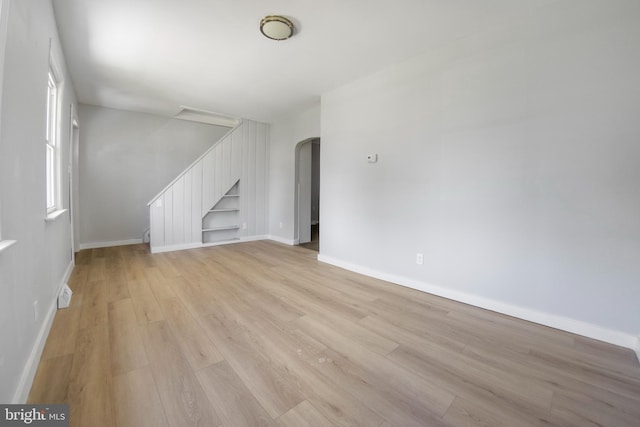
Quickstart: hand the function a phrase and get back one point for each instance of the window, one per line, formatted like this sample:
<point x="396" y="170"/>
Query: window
<point x="52" y="143"/>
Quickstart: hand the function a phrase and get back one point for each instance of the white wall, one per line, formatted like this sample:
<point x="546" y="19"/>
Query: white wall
<point x="285" y="135"/>
<point x="126" y="158"/>
<point x="510" y="159"/>
<point x="33" y="269"/>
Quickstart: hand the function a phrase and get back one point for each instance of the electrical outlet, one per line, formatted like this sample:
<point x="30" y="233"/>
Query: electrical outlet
<point x="280" y="224"/>
<point x="419" y="259"/>
<point x="35" y="311"/>
<point x="244" y="225"/>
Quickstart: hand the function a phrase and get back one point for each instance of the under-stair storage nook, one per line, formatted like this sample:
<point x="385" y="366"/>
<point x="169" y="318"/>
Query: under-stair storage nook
<point x="223" y="221"/>
<point x="218" y="199"/>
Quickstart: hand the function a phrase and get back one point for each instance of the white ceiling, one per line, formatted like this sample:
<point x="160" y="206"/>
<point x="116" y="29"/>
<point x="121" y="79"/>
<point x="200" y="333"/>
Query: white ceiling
<point x="156" y="55"/>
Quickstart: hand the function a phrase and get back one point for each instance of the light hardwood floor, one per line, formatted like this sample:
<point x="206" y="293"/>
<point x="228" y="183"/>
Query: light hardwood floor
<point x="261" y="334"/>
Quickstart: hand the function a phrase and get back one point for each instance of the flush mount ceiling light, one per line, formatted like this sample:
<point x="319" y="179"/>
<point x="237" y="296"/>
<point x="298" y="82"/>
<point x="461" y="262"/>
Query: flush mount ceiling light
<point x="276" y="27"/>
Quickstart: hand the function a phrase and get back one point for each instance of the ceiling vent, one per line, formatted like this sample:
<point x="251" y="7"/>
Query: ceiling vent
<point x="203" y="116"/>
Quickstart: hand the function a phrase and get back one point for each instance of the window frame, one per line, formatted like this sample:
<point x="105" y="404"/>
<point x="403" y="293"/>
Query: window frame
<point x="52" y="142"/>
<point x="4" y="12"/>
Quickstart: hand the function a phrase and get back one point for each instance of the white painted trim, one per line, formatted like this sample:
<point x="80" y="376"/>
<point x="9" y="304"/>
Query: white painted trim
<point x="172" y="248"/>
<point x="254" y="238"/>
<point x="234" y="241"/>
<point x="559" y="322"/>
<point x="52" y="216"/>
<point x="96" y="245"/>
<point x="204" y="116"/>
<point x="30" y="368"/>
<point x="637" y="349"/>
<point x="279" y="239"/>
<point x="6" y="244"/>
<point x="196" y="245"/>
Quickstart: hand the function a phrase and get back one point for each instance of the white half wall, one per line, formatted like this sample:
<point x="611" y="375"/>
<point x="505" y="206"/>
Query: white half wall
<point x="33" y="269"/>
<point x="285" y="135"/>
<point x="510" y="159"/>
<point x="126" y="158"/>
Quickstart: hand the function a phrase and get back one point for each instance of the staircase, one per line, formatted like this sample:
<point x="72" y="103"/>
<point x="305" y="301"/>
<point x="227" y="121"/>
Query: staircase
<point x="218" y="199"/>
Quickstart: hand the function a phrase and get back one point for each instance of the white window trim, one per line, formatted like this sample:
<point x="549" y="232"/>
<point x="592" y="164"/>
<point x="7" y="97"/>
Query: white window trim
<point x="56" y="210"/>
<point x="53" y="215"/>
<point x="4" y="12"/>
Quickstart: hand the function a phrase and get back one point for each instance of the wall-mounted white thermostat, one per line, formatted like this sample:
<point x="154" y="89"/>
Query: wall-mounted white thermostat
<point x="372" y="158"/>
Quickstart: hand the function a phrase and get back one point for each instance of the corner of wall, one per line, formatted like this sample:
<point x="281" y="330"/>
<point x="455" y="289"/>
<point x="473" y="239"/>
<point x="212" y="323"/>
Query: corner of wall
<point x="279" y="239"/>
<point x="31" y="366"/>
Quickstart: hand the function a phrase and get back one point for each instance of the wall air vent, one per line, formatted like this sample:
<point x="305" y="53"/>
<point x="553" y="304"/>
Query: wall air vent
<point x="203" y="116"/>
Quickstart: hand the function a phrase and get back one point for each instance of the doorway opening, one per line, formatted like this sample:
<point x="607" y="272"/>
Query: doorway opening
<point x="73" y="182"/>
<point x="307" y="203"/>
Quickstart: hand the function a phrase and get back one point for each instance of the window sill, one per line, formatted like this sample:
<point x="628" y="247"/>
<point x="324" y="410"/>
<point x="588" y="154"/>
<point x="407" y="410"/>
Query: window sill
<point x="54" y="215"/>
<point x="6" y="244"/>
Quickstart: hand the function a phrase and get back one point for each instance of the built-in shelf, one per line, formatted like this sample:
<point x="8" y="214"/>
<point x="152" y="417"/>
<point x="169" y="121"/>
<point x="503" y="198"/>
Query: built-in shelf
<point x="221" y="223"/>
<point x="226" y="227"/>
<point x="6" y="244"/>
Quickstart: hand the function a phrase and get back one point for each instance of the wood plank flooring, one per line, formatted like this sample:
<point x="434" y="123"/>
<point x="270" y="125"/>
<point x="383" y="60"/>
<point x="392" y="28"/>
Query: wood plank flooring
<point x="261" y="334"/>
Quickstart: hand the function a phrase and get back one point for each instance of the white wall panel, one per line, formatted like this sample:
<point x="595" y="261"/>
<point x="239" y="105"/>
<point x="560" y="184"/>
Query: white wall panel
<point x="226" y="163"/>
<point x="217" y="185"/>
<point x="250" y="185"/>
<point x="236" y="155"/>
<point x="260" y="198"/>
<point x="196" y="203"/>
<point x="208" y="178"/>
<point x="157" y="222"/>
<point x="178" y="212"/>
<point x="168" y="217"/>
<point x="188" y="185"/>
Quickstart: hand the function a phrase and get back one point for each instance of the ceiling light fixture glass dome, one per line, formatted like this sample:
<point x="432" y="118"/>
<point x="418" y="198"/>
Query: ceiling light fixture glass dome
<point x="276" y="27"/>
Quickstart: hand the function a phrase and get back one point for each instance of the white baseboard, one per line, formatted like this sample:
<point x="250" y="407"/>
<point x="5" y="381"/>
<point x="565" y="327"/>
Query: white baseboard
<point x="172" y="248"/>
<point x="96" y="245"/>
<point x="29" y="372"/>
<point x="196" y="245"/>
<point x="255" y="238"/>
<point x="559" y="322"/>
<point x="279" y="239"/>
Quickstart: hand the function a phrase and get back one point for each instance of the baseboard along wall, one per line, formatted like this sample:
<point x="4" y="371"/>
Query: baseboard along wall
<point x="558" y="322"/>
<point x="109" y="244"/>
<point x="29" y="372"/>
